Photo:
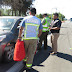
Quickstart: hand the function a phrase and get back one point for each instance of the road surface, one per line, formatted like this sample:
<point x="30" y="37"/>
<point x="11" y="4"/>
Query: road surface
<point x="43" y="61"/>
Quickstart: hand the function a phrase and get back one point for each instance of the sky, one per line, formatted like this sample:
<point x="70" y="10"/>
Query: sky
<point x="49" y="6"/>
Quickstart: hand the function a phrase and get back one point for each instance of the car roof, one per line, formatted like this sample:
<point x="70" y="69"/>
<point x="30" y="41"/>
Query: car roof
<point x="14" y="17"/>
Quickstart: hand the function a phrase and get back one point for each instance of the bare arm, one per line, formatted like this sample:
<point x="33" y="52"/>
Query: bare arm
<point x="40" y="32"/>
<point x="55" y="28"/>
<point x="58" y="26"/>
<point x="43" y="21"/>
<point x="20" y="31"/>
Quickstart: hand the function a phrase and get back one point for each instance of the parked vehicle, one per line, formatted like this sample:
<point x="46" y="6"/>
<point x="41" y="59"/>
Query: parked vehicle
<point x="70" y="19"/>
<point x="8" y="36"/>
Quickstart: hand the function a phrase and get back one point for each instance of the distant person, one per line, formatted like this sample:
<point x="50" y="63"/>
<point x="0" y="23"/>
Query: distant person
<point x="46" y="24"/>
<point x="55" y="30"/>
<point x="32" y="30"/>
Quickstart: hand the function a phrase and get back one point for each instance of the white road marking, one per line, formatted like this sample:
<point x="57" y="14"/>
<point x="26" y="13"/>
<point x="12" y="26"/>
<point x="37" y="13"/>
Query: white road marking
<point x="16" y="67"/>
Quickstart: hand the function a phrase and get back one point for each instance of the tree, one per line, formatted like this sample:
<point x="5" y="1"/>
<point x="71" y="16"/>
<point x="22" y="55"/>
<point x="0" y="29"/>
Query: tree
<point x="40" y="16"/>
<point x="0" y="13"/>
<point x="49" y="15"/>
<point x="0" y="3"/>
<point x="18" y="5"/>
<point x="8" y="11"/>
<point x="61" y="16"/>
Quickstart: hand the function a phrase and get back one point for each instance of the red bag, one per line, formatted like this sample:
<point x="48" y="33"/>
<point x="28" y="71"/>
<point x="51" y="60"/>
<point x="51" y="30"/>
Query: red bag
<point x="19" y="52"/>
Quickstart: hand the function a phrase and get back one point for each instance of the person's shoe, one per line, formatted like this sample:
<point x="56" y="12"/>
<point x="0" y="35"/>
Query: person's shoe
<point x="50" y="52"/>
<point x="28" y="70"/>
<point x="53" y="53"/>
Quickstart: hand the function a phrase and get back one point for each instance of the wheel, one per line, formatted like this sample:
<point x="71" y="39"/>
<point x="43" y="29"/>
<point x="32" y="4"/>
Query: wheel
<point x="0" y="60"/>
<point x="8" y="54"/>
<point x="0" y="55"/>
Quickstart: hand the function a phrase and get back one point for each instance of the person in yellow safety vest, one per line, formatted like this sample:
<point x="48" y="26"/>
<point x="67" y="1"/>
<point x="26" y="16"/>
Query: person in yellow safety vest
<point x="45" y="31"/>
<point x="32" y="30"/>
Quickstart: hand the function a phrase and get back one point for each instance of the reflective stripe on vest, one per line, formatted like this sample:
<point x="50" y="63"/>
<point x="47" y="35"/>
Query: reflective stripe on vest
<point x="46" y="25"/>
<point x="28" y="65"/>
<point x="30" y="30"/>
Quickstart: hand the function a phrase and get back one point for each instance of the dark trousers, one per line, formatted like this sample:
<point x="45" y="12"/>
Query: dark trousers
<point x="43" y="37"/>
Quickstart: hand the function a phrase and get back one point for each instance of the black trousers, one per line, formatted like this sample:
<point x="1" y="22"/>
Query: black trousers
<point x="43" y="37"/>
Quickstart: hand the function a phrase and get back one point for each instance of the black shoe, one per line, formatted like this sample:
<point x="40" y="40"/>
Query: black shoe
<point x="50" y="51"/>
<point x="28" y="70"/>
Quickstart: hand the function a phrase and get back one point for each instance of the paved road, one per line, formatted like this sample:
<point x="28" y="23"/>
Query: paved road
<point x="5" y="66"/>
<point x="44" y="62"/>
<point x="62" y="62"/>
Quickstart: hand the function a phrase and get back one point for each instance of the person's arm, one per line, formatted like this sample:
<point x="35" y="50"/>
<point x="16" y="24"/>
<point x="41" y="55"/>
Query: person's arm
<point x="40" y="32"/>
<point x="20" y="32"/>
<point x="22" y="25"/>
<point x="58" y="26"/>
<point x="55" y="28"/>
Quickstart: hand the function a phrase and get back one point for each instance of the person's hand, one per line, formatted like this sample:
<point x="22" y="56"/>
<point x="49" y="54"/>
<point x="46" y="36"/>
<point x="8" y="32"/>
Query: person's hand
<point x="19" y="38"/>
<point x="50" y="28"/>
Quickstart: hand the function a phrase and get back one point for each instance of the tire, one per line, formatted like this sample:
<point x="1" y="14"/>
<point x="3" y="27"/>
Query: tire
<point x="8" y="54"/>
<point x="0" y="60"/>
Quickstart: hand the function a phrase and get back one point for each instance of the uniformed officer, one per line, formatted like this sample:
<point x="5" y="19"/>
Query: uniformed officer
<point x="46" y="24"/>
<point x="32" y="30"/>
<point x="55" y="30"/>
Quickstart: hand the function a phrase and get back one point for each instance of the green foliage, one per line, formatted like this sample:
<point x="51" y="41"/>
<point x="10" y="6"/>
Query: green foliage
<point x="17" y="5"/>
<point x="61" y="16"/>
<point x="40" y="16"/>
<point x="2" y="12"/>
<point x="49" y="15"/>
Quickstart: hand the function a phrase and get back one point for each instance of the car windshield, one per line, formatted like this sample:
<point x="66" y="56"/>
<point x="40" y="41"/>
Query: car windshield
<point x="6" y="23"/>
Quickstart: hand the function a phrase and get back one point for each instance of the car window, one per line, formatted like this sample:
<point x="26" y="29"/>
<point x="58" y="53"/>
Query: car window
<point x="6" y="23"/>
<point x="19" y="22"/>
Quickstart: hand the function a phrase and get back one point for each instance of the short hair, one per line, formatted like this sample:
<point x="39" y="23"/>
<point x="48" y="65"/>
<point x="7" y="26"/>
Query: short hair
<point x="45" y="14"/>
<point x="56" y="14"/>
<point x="33" y="10"/>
